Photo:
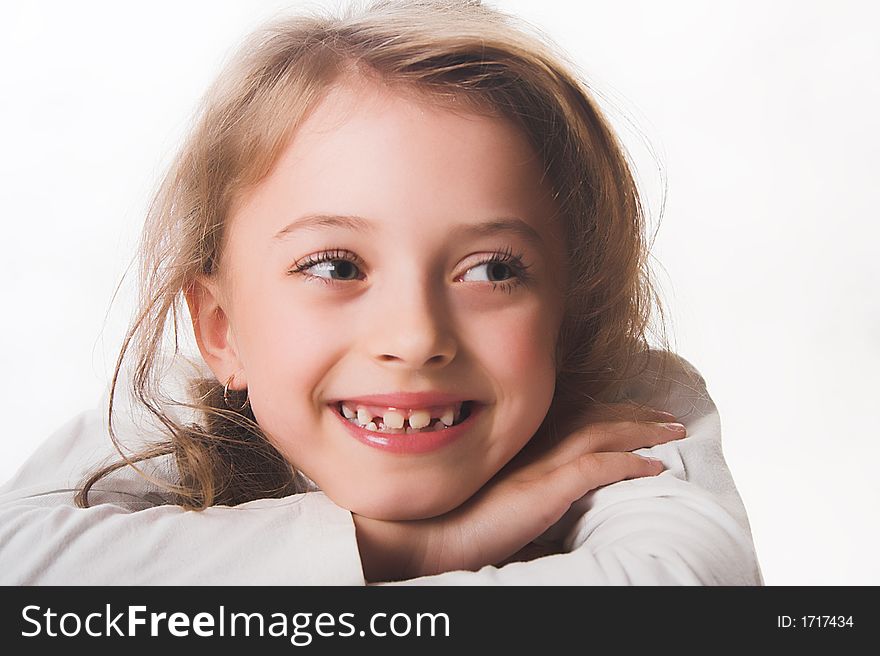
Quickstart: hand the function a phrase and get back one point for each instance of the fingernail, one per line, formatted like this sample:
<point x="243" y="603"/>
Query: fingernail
<point x="675" y="427"/>
<point x="655" y="461"/>
<point x="667" y="415"/>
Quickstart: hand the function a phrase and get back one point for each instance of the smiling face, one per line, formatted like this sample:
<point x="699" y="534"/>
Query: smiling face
<point x="414" y="292"/>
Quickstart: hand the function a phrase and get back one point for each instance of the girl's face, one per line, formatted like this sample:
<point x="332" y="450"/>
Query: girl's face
<point x="446" y="277"/>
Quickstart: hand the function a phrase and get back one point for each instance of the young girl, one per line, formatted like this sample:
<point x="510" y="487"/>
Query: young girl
<point x="413" y="257"/>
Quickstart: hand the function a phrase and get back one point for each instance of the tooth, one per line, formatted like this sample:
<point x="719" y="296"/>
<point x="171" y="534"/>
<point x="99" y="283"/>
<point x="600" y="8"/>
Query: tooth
<point x="448" y="416"/>
<point x="347" y="412"/>
<point x="438" y="425"/>
<point x="420" y="418"/>
<point x="371" y="427"/>
<point x="364" y="416"/>
<point x="393" y="419"/>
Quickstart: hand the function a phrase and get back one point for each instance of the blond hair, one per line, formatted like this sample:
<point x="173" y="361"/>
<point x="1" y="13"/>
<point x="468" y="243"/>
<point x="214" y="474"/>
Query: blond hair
<point x="459" y="53"/>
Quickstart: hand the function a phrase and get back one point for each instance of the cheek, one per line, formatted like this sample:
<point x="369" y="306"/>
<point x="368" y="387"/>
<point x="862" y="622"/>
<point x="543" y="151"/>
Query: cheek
<point x="285" y="349"/>
<point x="279" y="327"/>
<point x="521" y="346"/>
<point x="520" y="358"/>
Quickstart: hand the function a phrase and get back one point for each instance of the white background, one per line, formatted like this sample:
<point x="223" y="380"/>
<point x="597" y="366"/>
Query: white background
<point x="764" y="117"/>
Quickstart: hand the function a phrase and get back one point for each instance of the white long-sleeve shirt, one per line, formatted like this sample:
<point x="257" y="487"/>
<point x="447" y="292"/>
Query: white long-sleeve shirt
<point x="685" y="526"/>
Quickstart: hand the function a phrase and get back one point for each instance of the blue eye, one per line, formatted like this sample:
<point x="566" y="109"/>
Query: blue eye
<point x="346" y="266"/>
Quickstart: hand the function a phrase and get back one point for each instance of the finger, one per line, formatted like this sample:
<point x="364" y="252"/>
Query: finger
<point x="630" y="435"/>
<point x="594" y="470"/>
<point x="594" y="432"/>
<point x="597" y="413"/>
<point x="608" y="436"/>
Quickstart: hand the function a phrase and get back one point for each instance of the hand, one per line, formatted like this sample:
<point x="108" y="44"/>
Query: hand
<point x="530" y="494"/>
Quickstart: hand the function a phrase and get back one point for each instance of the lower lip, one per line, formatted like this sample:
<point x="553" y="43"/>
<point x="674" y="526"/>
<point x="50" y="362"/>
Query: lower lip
<point x="413" y="442"/>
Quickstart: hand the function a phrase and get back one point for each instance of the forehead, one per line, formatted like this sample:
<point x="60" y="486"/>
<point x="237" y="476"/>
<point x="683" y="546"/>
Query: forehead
<point x="370" y="150"/>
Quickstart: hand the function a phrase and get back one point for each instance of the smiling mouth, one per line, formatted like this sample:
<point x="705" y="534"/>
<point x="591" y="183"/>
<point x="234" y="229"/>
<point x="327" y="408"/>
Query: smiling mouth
<point x="377" y="424"/>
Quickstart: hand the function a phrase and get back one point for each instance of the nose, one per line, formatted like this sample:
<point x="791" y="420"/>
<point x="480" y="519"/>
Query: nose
<point x="413" y="327"/>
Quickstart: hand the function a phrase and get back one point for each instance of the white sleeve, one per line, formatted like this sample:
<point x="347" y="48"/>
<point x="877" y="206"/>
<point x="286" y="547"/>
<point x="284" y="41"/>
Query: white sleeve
<point x="132" y="536"/>
<point x="686" y="526"/>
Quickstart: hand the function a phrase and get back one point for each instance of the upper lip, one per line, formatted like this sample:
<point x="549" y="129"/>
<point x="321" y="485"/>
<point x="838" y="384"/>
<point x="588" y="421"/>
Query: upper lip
<point x="407" y="399"/>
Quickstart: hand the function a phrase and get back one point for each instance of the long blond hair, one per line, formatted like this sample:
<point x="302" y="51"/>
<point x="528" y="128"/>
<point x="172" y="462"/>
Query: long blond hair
<point x="460" y="50"/>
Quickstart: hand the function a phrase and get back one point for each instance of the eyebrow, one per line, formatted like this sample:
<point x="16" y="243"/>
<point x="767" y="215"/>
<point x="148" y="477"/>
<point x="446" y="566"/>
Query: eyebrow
<point x="502" y="225"/>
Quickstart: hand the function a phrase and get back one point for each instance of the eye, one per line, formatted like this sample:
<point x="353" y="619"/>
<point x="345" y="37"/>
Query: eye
<point x="505" y="265"/>
<point x="340" y="262"/>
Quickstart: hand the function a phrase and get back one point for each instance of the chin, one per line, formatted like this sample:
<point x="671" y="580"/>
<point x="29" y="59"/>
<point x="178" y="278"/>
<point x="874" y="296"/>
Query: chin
<point x="393" y="506"/>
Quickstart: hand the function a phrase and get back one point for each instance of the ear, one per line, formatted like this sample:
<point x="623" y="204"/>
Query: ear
<point x="213" y="332"/>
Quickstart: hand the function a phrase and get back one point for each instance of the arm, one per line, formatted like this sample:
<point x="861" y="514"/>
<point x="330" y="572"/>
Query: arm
<point x="686" y="526"/>
<point x="132" y="536"/>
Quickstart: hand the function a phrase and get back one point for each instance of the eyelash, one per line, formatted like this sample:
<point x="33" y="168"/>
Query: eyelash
<point x="505" y="256"/>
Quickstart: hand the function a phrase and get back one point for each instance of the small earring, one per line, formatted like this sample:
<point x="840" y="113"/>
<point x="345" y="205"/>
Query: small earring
<point x="226" y="396"/>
